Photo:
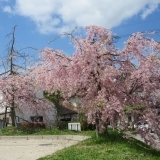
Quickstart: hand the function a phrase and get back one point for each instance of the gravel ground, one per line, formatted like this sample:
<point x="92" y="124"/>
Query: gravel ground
<point x="31" y="149"/>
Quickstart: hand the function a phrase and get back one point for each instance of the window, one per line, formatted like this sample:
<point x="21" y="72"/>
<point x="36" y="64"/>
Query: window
<point x="66" y="119"/>
<point x="36" y="118"/>
<point x="18" y="120"/>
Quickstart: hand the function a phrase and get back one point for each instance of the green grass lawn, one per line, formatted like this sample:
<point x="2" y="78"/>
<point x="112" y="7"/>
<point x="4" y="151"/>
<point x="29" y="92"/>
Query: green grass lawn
<point x="113" y="147"/>
<point x="21" y="131"/>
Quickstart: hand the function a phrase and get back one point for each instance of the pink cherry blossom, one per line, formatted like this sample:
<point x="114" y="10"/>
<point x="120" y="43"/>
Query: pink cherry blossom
<point x="111" y="84"/>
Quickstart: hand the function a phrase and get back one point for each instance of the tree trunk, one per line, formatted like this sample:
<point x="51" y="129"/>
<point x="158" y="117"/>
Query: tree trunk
<point x="97" y="131"/>
<point x="4" y="122"/>
<point x="97" y="125"/>
<point x="13" y="116"/>
<point x="106" y="130"/>
<point x="57" y="120"/>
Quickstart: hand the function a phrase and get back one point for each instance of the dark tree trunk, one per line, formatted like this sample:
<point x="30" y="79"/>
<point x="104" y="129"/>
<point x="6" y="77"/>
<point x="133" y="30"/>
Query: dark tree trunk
<point x="4" y="122"/>
<point x="97" y="125"/>
<point x="106" y="131"/>
<point x="12" y="105"/>
<point x="13" y="116"/>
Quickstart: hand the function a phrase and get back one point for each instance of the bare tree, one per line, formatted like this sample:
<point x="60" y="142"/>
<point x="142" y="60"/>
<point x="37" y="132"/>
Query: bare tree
<point x="14" y="62"/>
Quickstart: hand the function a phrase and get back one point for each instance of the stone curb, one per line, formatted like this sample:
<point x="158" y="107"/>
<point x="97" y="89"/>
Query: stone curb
<point x="52" y="137"/>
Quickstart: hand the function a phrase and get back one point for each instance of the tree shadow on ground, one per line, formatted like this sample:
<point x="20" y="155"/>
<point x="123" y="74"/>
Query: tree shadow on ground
<point x="116" y="138"/>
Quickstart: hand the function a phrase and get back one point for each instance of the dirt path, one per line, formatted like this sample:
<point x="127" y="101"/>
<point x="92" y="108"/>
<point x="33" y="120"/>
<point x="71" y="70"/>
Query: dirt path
<point x="31" y="149"/>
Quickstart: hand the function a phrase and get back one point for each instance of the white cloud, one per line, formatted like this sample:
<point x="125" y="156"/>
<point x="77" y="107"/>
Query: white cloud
<point x="7" y="9"/>
<point x="63" y="15"/>
<point x="149" y="10"/>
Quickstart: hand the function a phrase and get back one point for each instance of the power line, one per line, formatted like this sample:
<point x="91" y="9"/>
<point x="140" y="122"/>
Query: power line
<point x="115" y="38"/>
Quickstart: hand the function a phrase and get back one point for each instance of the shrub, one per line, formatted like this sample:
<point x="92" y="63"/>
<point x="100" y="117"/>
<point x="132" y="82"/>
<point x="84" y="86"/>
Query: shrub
<point x="62" y="125"/>
<point x="33" y="125"/>
<point x="84" y="124"/>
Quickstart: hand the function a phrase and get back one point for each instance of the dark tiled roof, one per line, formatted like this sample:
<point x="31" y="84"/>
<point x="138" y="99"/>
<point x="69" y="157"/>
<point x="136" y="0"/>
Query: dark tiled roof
<point x="64" y="110"/>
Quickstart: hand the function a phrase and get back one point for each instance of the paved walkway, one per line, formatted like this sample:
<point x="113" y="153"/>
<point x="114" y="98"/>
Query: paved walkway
<point x="34" y="147"/>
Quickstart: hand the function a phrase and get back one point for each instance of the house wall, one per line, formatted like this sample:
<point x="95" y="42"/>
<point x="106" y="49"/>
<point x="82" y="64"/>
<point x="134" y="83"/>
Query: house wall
<point x="2" y="110"/>
<point x="8" y="119"/>
<point x="24" y="113"/>
<point x="39" y="94"/>
<point x="49" y="115"/>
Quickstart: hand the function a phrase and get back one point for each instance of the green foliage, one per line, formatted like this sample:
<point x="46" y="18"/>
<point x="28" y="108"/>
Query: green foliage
<point x="130" y="109"/>
<point x="55" y="98"/>
<point x="84" y="124"/>
<point x="8" y="131"/>
<point x="62" y="125"/>
<point x="22" y="130"/>
<point x="112" y="147"/>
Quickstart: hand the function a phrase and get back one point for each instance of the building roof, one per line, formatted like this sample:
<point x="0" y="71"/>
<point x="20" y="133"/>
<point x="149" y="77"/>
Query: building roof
<point x="65" y="110"/>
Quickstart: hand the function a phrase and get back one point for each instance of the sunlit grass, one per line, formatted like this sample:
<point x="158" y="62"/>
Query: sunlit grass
<point x="113" y="147"/>
<point x="15" y="131"/>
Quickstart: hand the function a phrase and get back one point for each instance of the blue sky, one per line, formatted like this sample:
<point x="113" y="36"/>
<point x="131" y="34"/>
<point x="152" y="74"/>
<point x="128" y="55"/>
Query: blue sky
<point x="40" y="21"/>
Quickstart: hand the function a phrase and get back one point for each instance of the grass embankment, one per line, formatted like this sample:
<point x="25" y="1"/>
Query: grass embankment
<point x="113" y="147"/>
<point x="21" y="131"/>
